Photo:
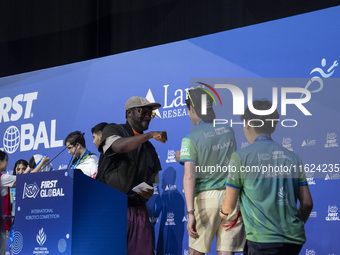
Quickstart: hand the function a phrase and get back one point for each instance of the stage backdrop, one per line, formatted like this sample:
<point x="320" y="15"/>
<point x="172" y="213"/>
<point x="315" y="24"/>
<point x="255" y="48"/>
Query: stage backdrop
<point x="39" y="109"/>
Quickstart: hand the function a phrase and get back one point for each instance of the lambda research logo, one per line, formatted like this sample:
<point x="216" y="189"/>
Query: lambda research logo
<point x="173" y="104"/>
<point x="308" y="142"/>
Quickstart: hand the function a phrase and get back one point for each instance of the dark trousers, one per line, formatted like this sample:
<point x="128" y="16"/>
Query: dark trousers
<point x="253" y="248"/>
<point x="139" y="240"/>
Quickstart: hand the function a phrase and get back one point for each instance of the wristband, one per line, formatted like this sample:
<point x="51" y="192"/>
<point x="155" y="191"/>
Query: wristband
<point x="191" y="211"/>
<point x="226" y="214"/>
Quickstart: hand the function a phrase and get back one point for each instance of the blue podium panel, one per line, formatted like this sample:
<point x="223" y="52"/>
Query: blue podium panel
<point x="66" y="212"/>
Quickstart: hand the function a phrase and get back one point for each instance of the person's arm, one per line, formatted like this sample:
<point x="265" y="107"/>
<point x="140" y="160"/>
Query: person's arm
<point x="126" y="144"/>
<point x="178" y="155"/>
<point x="230" y="201"/>
<point x="234" y="184"/>
<point x="306" y="202"/>
<point x="8" y="181"/>
<point x="44" y="160"/>
<point x="189" y="182"/>
<point x="28" y="170"/>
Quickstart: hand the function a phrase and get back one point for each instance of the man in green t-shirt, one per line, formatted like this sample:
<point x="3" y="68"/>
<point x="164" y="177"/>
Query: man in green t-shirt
<point x="268" y="179"/>
<point x="204" y="152"/>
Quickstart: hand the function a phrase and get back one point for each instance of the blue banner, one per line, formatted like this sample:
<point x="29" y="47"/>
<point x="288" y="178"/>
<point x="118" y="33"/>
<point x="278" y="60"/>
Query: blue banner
<point x="39" y="109"/>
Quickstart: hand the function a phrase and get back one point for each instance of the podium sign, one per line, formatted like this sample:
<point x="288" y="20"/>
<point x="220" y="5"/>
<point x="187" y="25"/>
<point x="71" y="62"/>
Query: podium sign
<point x="67" y="212"/>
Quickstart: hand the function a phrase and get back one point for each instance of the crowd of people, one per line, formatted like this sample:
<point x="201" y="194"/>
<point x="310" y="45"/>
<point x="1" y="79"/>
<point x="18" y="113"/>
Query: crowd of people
<point x="245" y="211"/>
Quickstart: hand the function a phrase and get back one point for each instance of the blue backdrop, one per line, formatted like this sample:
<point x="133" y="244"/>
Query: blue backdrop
<point x="38" y="109"/>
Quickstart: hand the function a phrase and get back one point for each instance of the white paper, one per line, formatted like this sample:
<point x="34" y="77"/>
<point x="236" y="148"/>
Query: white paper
<point x="142" y="186"/>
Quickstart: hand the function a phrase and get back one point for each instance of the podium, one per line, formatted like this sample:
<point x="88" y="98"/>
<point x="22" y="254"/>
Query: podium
<point x="67" y="212"/>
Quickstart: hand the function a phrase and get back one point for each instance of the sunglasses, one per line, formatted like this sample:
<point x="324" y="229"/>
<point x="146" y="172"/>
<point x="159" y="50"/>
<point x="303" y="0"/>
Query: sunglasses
<point x="189" y="101"/>
<point x="143" y="112"/>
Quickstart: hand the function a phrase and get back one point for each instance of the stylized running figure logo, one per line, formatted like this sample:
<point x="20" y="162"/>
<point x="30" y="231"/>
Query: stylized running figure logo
<point x="329" y="73"/>
<point x="330" y="70"/>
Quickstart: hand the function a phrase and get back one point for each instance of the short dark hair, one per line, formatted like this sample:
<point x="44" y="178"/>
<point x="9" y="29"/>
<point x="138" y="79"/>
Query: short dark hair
<point x="76" y="137"/>
<point x="98" y="128"/>
<point x="195" y="100"/>
<point x="3" y="155"/>
<point x="268" y="127"/>
<point x="32" y="163"/>
<point x="20" y="161"/>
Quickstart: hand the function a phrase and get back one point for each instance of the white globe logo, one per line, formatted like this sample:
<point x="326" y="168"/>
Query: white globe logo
<point x="11" y="139"/>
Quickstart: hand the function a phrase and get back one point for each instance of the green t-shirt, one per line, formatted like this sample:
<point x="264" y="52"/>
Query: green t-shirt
<point x="269" y="177"/>
<point x="210" y="148"/>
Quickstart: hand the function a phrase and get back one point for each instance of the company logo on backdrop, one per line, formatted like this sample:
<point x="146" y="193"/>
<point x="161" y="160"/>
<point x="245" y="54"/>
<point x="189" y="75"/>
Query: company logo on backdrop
<point x="41" y="237"/>
<point x="173" y="104"/>
<point x="308" y="142"/>
<point x="287" y="143"/>
<point x="310" y="178"/>
<point x="170" y="187"/>
<point x="27" y="136"/>
<point x="30" y="190"/>
<point x="324" y="72"/>
<point x="155" y="189"/>
<point x="310" y="252"/>
<point x="153" y="220"/>
<point x="62" y="167"/>
<point x="332" y="176"/>
<point x="332" y="213"/>
<point x="47" y="189"/>
<point x="18" y="242"/>
<point x="313" y="215"/>
<point x="331" y="140"/>
<point x="171" y="157"/>
<point x="170" y="219"/>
